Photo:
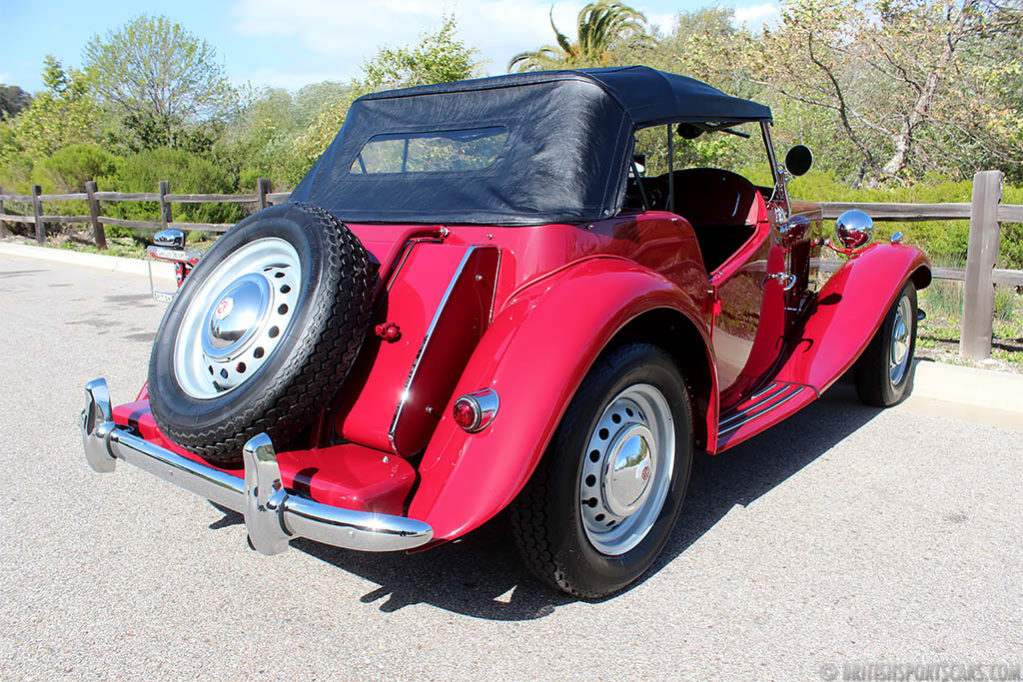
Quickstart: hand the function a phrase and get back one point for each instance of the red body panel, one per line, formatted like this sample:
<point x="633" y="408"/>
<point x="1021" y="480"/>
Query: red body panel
<point x="395" y="384"/>
<point x="415" y="377"/>
<point x="750" y="317"/>
<point x="348" y="475"/>
<point x="535" y="355"/>
<point x="849" y="310"/>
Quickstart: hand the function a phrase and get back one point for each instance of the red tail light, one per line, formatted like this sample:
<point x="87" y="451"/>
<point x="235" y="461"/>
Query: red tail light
<point x="474" y="411"/>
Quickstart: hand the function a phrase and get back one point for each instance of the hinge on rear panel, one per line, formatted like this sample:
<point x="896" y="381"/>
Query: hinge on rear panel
<point x="711" y="303"/>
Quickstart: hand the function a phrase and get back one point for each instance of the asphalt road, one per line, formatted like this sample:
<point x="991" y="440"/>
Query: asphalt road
<point x="846" y="535"/>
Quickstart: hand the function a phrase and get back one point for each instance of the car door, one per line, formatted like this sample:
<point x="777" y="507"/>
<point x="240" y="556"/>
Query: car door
<point x="749" y="307"/>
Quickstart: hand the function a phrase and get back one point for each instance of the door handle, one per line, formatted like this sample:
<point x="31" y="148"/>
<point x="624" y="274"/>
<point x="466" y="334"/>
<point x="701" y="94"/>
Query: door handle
<point x="786" y="281"/>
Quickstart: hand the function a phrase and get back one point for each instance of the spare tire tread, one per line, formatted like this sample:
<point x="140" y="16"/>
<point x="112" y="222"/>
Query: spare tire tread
<point x="317" y="366"/>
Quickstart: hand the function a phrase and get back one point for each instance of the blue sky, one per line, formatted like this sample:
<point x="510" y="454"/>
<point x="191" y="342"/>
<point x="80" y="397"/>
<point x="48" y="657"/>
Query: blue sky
<point x="294" y="42"/>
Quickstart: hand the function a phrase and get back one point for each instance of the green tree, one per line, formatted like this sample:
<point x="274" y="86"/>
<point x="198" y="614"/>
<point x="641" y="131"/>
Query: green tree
<point x="158" y="78"/>
<point x="900" y="79"/>
<point x="601" y="28"/>
<point x="438" y="58"/>
<point x="13" y="100"/>
<point x="65" y="113"/>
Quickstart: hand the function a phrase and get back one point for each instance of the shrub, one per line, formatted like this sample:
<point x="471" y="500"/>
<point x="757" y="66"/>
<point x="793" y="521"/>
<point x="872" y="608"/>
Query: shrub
<point x="16" y="175"/>
<point x="188" y="173"/>
<point x="69" y="168"/>
<point x="945" y="241"/>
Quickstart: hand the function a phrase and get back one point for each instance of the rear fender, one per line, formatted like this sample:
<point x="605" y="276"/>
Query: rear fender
<point x="850" y="309"/>
<point x="534" y="355"/>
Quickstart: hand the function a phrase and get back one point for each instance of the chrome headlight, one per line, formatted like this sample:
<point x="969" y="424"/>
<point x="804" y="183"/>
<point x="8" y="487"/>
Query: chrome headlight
<point x="854" y="229"/>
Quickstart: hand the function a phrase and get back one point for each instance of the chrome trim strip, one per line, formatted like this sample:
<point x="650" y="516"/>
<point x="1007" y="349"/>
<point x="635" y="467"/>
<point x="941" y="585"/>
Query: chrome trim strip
<point x="403" y="399"/>
<point x="406" y="252"/>
<point x="273" y="515"/>
<point x="756" y="400"/>
<point x="773" y="387"/>
<point x="493" y="296"/>
<point x="750" y="413"/>
<point x="740" y="418"/>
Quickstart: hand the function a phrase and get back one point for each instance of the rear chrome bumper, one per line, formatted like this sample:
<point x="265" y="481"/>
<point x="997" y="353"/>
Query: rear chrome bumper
<point x="273" y="515"/>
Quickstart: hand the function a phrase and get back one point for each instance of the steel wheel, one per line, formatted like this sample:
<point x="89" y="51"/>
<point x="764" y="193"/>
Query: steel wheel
<point x="898" y="357"/>
<point x="601" y="505"/>
<point x="884" y="372"/>
<point x="237" y="318"/>
<point x="627" y="469"/>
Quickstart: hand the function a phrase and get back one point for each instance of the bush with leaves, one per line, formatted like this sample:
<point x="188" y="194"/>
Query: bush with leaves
<point x="71" y="167"/>
<point x="188" y="174"/>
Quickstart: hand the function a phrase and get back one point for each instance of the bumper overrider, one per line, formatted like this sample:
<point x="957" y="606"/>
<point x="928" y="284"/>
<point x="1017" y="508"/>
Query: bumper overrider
<point x="273" y="515"/>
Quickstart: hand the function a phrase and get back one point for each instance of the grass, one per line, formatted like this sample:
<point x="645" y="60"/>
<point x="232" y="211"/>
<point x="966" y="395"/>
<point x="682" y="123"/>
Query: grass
<point x="938" y="335"/>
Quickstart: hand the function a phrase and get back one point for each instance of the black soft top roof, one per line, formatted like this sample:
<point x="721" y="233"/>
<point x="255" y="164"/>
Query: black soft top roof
<point x="564" y="158"/>
<point x="647" y="95"/>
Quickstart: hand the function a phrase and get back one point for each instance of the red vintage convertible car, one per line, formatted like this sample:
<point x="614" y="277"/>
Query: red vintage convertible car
<point x="479" y="300"/>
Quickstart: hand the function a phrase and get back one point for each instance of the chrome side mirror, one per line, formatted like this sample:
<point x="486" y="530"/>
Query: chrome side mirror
<point x="799" y="160"/>
<point x="854" y="229"/>
<point x="794" y="231"/>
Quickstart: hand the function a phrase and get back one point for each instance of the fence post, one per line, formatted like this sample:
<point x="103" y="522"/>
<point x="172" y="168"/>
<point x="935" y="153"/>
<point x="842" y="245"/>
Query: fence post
<point x="979" y="290"/>
<point x="37" y="210"/>
<point x="166" y="215"/>
<point x="98" y="234"/>
<point x="262" y="189"/>
<point x="3" y="225"/>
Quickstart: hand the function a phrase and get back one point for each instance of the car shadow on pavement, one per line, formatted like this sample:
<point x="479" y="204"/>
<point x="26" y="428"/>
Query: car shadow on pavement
<point x="481" y="575"/>
<point x="751" y="469"/>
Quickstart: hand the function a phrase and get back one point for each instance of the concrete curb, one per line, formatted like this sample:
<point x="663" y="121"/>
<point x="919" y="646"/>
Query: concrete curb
<point x="980" y="396"/>
<point x="131" y="266"/>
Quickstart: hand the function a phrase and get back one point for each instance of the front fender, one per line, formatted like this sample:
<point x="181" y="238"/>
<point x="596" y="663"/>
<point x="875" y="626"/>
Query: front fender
<point x="850" y="309"/>
<point x="534" y="355"/>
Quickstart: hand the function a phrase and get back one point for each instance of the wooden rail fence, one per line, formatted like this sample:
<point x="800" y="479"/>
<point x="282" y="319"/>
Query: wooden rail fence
<point x="985" y="213"/>
<point x="263" y="197"/>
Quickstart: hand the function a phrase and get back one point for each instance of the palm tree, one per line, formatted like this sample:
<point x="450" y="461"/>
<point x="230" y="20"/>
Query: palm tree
<point x="601" y="27"/>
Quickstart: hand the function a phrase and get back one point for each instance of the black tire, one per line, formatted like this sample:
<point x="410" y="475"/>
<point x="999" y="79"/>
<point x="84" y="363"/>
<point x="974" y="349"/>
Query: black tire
<point x="547" y="517"/>
<point x="311" y="360"/>
<point x="874" y="383"/>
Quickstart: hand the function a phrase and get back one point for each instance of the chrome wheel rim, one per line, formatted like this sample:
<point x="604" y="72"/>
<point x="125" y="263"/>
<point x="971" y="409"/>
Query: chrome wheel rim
<point x="627" y="469"/>
<point x="237" y="318"/>
<point x="898" y="358"/>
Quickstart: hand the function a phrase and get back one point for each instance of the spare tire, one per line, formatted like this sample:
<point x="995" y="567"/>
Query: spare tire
<point x="262" y="333"/>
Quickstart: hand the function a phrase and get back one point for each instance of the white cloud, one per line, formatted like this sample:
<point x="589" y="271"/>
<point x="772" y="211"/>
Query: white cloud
<point x="664" y="21"/>
<point x="342" y="34"/>
<point x="755" y="16"/>
<point x="289" y="80"/>
<point x="345" y="33"/>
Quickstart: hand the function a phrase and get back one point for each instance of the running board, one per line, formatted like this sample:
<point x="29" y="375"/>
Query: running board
<point x="763" y="409"/>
